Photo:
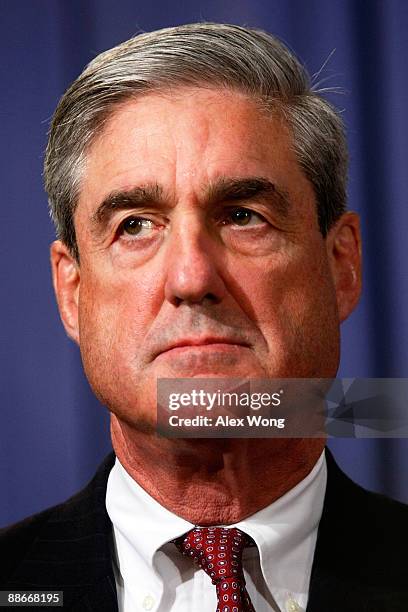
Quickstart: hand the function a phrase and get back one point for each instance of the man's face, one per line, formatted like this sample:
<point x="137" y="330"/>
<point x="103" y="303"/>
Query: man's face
<point x="200" y="252"/>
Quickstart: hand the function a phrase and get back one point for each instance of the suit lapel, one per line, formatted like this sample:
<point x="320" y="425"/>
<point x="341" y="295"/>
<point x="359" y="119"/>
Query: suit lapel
<point x="332" y="586"/>
<point x="100" y="597"/>
<point x="72" y="550"/>
<point x="359" y="563"/>
<point x="352" y="567"/>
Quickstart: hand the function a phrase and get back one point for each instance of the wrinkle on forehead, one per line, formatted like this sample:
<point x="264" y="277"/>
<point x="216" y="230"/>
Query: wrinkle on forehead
<point x="186" y="138"/>
<point x="193" y="99"/>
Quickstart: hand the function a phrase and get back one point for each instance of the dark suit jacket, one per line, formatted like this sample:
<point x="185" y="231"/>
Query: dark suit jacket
<point x="360" y="563"/>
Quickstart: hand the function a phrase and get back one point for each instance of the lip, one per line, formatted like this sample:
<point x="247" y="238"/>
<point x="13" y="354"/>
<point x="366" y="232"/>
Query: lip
<point x="209" y="343"/>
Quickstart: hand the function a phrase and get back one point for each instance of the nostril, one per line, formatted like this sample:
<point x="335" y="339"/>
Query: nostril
<point x="208" y="298"/>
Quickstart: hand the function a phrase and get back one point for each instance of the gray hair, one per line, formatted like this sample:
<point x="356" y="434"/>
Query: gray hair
<point x="200" y="55"/>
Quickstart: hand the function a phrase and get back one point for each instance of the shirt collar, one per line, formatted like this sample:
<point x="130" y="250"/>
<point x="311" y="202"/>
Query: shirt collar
<point x="134" y="513"/>
<point x="286" y="530"/>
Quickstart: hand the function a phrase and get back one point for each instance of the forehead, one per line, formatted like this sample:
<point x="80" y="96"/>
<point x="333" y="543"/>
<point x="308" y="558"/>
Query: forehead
<point x="186" y="139"/>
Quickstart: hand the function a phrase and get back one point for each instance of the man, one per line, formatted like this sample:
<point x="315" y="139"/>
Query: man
<point x="198" y="188"/>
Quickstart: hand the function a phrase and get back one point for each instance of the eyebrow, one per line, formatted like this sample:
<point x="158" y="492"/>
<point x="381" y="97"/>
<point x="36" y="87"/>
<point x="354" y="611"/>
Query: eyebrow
<point x="127" y="200"/>
<point x="223" y="189"/>
<point x="249" y="188"/>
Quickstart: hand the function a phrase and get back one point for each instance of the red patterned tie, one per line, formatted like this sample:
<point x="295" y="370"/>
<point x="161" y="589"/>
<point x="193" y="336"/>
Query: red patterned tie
<point x="219" y="552"/>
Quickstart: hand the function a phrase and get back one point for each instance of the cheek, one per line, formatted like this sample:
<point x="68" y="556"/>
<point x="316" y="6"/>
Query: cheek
<point x="275" y="285"/>
<point x="114" y="316"/>
<point x="124" y="301"/>
<point x="115" y="313"/>
<point x="293" y="304"/>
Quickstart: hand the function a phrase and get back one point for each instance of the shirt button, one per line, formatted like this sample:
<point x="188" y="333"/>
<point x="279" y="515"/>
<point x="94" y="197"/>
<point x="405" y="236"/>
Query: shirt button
<point x="148" y="602"/>
<point x="292" y="606"/>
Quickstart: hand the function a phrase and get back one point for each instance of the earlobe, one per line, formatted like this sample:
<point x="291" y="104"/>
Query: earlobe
<point x="66" y="280"/>
<point x="344" y="252"/>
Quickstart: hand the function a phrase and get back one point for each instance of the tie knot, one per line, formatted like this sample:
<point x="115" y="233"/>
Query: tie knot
<point x="217" y="550"/>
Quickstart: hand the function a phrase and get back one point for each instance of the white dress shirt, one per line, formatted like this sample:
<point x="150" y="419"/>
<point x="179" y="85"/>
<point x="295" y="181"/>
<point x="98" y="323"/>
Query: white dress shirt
<point x="151" y="574"/>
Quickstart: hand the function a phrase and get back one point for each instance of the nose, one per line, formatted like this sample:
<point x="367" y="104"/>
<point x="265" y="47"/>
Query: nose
<point x="193" y="265"/>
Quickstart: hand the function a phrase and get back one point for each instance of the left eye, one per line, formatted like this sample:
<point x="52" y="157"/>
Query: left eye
<point x="136" y="226"/>
<point x="243" y="216"/>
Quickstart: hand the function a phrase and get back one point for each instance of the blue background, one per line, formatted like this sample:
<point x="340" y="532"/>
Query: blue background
<point x="53" y="432"/>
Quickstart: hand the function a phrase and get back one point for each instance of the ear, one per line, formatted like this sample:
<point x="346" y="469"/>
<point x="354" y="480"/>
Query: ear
<point x="343" y="243"/>
<point x="66" y="280"/>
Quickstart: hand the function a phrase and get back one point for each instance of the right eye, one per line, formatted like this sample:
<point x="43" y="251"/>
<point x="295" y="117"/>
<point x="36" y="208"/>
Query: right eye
<point x="136" y="226"/>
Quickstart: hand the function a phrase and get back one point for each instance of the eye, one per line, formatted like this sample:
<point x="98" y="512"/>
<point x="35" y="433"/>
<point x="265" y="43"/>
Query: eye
<point x="136" y="226"/>
<point x="243" y="217"/>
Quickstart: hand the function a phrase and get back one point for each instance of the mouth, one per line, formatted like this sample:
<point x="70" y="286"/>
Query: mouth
<point x="202" y="345"/>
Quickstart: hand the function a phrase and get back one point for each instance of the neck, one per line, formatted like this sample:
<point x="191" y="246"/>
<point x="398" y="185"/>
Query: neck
<point x="213" y="481"/>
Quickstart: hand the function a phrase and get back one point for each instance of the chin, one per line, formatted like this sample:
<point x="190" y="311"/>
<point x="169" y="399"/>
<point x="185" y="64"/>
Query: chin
<point x="217" y="369"/>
